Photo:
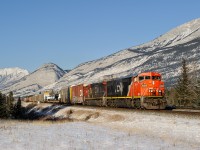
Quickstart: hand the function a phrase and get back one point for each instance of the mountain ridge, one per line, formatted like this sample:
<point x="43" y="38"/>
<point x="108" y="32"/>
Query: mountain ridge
<point x="9" y="76"/>
<point x="163" y="54"/>
<point x="41" y="77"/>
<point x="143" y="57"/>
<point x="176" y="34"/>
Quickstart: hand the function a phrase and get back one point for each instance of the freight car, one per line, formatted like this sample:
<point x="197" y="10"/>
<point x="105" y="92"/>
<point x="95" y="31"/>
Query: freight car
<point x="46" y="96"/>
<point x="145" y="90"/>
<point x="64" y="95"/>
<point x="34" y="98"/>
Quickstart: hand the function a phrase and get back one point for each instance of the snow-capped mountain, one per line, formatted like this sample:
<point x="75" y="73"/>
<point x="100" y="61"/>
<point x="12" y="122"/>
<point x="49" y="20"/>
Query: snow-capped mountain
<point x="9" y="76"/>
<point x="43" y="76"/>
<point x="180" y="35"/>
<point x="164" y="54"/>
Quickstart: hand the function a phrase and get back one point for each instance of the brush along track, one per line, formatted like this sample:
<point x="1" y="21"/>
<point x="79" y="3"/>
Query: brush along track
<point x="181" y="112"/>
<point x="175" y="112"/>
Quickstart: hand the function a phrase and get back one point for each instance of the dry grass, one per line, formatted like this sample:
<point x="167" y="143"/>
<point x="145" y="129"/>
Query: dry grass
<point x="116" y="118"/>
<point x="168" y="128"/>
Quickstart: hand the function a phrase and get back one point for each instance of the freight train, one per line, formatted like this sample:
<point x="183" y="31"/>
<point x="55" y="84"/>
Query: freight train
<point x="145" y="90"/>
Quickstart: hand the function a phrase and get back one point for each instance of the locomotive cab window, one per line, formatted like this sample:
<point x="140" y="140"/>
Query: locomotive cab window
<point x="147" y="77"/>
<point x="141" y="78"/>
<point x="156" y="78"/>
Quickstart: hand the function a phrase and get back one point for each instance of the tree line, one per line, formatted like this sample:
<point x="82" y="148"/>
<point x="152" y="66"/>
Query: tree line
<point x="8" y="107"/>
<point x="186" y="91"/>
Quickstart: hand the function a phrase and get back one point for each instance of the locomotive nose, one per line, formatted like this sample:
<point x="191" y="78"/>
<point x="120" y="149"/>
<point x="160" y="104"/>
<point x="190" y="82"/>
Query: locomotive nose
<point x="156" y="88"/>
<point x="155" y="92"/>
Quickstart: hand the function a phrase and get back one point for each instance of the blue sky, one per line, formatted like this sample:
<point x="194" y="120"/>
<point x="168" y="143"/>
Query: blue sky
<point x="70" y="32"/>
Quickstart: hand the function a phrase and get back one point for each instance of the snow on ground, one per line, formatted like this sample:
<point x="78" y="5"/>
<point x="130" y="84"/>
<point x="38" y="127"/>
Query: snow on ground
<point x="102" y="128"/>
<point x="72" y="135"/>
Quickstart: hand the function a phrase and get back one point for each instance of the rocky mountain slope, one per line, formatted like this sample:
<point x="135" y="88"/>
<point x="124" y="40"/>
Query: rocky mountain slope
<point x="164" y="54"/>
<point x="10" y="76"/>
<point x="43" y="76"/>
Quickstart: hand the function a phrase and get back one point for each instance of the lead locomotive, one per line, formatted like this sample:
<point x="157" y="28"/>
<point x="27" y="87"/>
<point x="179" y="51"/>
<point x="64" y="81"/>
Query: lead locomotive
<point x="145" y="90"/>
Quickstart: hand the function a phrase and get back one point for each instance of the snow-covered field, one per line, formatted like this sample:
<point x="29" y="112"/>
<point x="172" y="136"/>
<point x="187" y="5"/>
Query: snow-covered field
<point x="101" y="128"/>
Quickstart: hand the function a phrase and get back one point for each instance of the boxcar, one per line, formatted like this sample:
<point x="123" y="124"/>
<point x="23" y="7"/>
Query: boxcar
<point x="76" y="96"/>
<point x="64" y="95"/>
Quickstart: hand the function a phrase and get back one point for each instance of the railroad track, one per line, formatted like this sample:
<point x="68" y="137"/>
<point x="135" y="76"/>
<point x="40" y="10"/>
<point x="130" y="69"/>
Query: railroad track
<point x="177" y="112"/>
<point x="174" y="112"/>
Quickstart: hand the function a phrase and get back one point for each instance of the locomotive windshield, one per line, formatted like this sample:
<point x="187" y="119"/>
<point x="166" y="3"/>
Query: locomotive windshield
<point x="144" y="78"/>
<point x="149" y="77"/>
<point x="141" y="78"/>
<point x="156" y="78"/>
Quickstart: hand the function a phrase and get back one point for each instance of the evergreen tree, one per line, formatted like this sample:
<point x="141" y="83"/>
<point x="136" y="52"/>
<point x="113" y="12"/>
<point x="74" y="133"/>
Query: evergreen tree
<point x="10" y="105"/>
<point x="184" y="92"/>
<point x="3" y="106"/>
<point x="6" y="105"/>
<point x="171" y="96"/>
<point x="18" y="109"/>
<point x="195" y="85"/>
<point x="197" y="92"/>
